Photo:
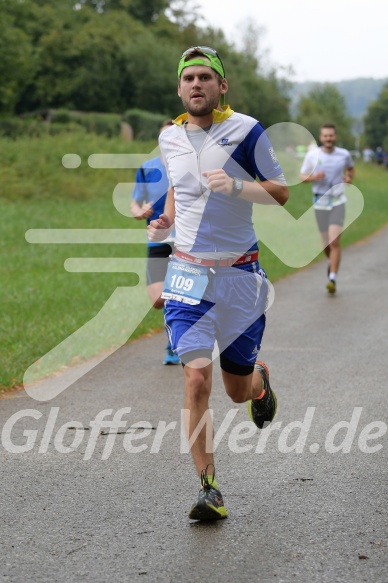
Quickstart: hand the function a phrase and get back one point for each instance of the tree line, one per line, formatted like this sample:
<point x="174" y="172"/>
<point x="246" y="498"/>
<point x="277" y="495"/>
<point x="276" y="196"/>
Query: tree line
<point x="116" y="55"/>
<point x="376" y="122"/>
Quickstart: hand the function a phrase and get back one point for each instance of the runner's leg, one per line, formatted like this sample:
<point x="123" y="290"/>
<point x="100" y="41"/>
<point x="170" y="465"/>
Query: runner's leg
<point x="334" y="234"/>
<point x="198" y="382"/>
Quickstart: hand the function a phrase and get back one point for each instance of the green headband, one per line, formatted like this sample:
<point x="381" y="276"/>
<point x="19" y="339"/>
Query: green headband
<point x="214" y="64"/>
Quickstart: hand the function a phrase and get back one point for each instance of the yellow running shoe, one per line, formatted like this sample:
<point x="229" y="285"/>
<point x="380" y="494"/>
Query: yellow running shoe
<point x="210" y="504"/>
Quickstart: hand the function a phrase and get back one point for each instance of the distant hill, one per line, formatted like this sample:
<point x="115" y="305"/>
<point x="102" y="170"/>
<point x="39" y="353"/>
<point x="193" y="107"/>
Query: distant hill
<point x="358" y="93"/>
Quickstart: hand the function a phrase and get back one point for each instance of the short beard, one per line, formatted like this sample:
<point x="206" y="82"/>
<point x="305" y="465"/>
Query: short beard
<point x="206" y="109"/>
<point x="199" y="112"/>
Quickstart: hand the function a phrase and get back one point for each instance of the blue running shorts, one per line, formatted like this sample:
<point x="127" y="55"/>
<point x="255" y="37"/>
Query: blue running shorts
<point x="232" y="312"/>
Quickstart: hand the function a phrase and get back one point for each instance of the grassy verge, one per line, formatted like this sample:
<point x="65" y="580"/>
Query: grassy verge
<point x="42" y="303"/>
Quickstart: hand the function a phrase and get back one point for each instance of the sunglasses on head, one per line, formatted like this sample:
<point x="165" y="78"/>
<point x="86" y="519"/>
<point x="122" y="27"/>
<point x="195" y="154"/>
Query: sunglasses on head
<point x="203" y="50"/>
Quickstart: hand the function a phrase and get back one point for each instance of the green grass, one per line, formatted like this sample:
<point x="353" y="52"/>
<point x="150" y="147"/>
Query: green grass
<point x="42" y="303"/>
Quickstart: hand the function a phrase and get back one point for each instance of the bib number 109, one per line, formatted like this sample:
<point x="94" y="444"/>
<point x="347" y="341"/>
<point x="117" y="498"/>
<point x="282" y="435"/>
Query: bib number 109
<point x="180" y="282"/>
<point x="185" y="283"/>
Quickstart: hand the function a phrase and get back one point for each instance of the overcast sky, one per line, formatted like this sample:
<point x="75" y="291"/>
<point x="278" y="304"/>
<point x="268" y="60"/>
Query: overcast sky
<point x="329" y="40"/>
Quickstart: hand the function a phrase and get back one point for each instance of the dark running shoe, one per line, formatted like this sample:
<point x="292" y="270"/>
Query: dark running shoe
<point x="210" y="505"/>
<point x="263" y="410"/>
<point x="331" y="286"/>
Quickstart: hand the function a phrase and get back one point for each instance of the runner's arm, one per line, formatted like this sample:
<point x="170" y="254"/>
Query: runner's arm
<point x="265" y="192"/>
<point x="169" y="205"/>
<point x="160" y="228"/>
<point x="349" y="175"/>
<point x="307" y="173"/>
<point x="141" y="212"/>
<point x="312" y="177"/>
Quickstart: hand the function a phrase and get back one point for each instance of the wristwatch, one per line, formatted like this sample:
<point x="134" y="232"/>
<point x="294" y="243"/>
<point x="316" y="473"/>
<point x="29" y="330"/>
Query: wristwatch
<point x="237" y="187"/>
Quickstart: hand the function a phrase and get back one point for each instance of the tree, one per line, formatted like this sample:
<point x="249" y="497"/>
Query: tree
<point x="252" y="93"/>
<point x="255" y="88"/>
<point x="18" y="61"/>
<point x="114" y="55"/>
<point x="376" y="121"/>
<point x="185" y="14"/>
<point x="146" y="12"/>
<point x="324" y="104"/>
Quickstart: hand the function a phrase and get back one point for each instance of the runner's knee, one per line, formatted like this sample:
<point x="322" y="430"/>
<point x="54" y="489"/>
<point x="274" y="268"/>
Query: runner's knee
<point x="335" y="243"/>
<point x="197" y="383"/>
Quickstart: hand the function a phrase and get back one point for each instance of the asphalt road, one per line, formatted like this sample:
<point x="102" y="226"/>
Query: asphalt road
<point x="309" y="504"/>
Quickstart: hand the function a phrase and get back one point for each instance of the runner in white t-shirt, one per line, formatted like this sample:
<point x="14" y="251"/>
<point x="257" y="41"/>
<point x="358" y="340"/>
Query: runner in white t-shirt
<point x="329" y="169"/>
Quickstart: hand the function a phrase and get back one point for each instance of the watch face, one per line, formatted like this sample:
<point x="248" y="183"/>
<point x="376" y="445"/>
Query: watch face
<point x="237" y="186"/>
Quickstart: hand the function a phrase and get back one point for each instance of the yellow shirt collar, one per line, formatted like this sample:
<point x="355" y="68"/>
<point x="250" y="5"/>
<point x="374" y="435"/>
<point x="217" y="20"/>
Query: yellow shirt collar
<point x="218" y="116"/>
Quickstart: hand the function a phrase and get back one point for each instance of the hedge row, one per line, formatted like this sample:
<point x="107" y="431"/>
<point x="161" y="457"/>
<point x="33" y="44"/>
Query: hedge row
<point x="145" y="125"/>
<point x="16" y="128"/>
<point x="107" y="124"/>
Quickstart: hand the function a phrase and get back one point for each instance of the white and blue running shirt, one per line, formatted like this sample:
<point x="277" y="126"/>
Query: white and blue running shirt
<point x="331" y="190"/>
<point x="209" y="223"/>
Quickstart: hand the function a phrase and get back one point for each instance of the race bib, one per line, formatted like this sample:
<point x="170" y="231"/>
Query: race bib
<point x="185" y="282"/>
<point x="323" y="201"/>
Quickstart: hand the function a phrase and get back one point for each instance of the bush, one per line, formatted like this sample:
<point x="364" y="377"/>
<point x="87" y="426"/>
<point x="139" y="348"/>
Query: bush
<point x="145" y="124"/>
<point x="50" y="121"/>
<point x="106" y="124"/>
<point x="9" y="127"/>
<point x="14" y="128"/>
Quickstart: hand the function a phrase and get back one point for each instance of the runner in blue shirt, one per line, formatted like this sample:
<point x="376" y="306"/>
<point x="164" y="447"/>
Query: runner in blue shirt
<point x="148" y="199"/>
